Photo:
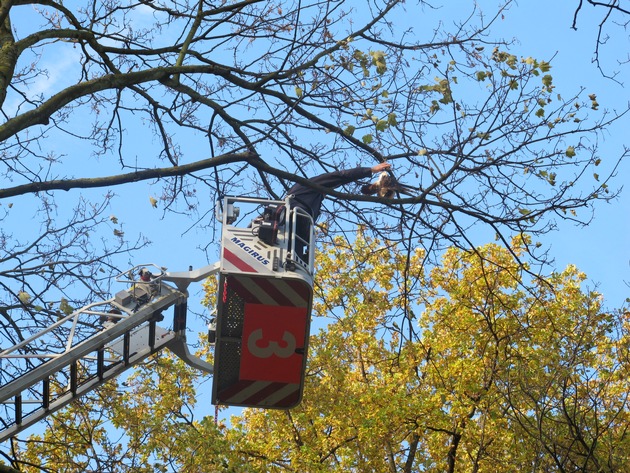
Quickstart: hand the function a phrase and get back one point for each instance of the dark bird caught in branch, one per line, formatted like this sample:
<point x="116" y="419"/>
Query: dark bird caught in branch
<point x="385" y="186"/>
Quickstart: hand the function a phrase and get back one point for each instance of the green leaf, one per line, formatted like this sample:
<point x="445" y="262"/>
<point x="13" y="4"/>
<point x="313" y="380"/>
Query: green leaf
<point x="378" y="60"/>
<point x="66" y="308"/>
<point x="570" y="152"/>
<point x="367" y="139"/>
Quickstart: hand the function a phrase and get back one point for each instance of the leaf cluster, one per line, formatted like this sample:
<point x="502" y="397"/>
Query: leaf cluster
<point x="468" y="366"/>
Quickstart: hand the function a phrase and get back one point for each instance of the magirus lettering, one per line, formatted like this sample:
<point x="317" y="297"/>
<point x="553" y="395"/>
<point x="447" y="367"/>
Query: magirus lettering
<point x="250" y="251"/>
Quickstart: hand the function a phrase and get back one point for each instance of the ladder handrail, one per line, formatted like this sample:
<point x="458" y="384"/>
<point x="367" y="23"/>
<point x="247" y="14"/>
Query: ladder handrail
<point x="90" y="384"/>
<point x="87" y="346"/>
<point x="131" y="319"/>
<point x="55" y="325"/>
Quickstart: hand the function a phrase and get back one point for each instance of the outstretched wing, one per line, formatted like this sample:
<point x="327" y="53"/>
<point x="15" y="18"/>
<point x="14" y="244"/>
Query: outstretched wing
<point x="388" y="185"/>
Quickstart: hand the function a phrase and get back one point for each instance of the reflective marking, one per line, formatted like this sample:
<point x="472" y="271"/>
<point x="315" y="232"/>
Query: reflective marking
<point x="236" y="261"/>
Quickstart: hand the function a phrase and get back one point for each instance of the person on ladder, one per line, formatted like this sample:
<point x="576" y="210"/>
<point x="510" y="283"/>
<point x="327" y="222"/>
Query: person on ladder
<point x="310" y="200"/>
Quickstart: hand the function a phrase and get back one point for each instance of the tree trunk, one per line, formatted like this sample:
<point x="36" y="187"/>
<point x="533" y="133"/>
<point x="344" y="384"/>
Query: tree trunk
<point x="8" y="53"/>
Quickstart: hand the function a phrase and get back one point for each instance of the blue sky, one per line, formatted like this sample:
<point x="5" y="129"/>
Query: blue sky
<point x="542" y="30"/>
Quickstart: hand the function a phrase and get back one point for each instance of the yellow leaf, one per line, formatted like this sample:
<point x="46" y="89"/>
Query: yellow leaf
<point x="24" y="297"/>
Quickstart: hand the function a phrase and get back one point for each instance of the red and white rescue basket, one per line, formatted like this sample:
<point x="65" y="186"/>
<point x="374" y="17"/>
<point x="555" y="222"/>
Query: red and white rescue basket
<point x="264" y="308"/>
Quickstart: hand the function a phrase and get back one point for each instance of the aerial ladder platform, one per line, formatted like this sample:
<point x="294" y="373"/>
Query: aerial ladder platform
<point x="260" y="332"/>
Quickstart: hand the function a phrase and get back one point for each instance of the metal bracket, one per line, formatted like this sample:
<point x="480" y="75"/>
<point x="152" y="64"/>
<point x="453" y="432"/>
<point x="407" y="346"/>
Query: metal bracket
<point x="182" y="279"/>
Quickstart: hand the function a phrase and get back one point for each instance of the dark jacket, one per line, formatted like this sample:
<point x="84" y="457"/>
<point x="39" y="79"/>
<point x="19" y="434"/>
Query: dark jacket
<point x="311" y="199"/>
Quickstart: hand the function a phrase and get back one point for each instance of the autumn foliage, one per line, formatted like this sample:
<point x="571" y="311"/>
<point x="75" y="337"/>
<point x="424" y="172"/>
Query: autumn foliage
<point x="466" y="368"/>
<point x="471" y="366"/>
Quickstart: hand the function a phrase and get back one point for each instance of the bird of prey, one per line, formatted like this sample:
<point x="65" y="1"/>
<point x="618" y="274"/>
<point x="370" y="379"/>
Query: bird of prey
<point x="385" y="186"/>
